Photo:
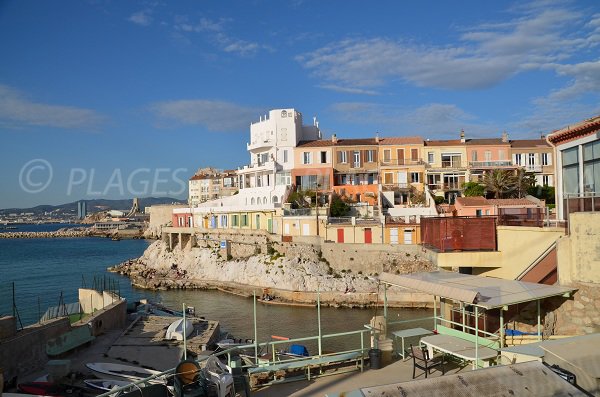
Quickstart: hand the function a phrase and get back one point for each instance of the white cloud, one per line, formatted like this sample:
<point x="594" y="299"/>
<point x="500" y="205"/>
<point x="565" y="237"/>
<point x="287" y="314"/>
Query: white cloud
<point x="142" y="18"/>
<point x="18" y="111"/>
<point x="483" y="56"/>
<point x="348" y="90"/>
<point x="216" y="33"/>
<point x="218" y="116"/>
<point x="434" y="120"/>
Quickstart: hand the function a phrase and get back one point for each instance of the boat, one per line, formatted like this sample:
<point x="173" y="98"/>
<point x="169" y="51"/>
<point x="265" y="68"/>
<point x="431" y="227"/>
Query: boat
<point x="44" y="388"/>
<point x="120" y="372"/>
<point x="175" y="330"/>
<point x="229" y="343"/>
<point x="105" y="384"/>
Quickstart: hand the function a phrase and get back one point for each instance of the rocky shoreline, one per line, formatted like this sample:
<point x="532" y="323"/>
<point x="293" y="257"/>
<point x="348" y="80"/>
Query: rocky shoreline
<point x="284" y="280"/>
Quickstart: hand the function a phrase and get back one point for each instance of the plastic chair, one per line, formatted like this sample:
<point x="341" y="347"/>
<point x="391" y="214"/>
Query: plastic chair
<point x="422" y="360"/>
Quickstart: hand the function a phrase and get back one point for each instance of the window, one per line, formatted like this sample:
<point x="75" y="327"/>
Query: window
<point x="474" y="155"/>
<point x="546" y="159"/>
<point x="244" y="220"/>
<point x="306" y="158"/>
<point x="430" y="157"/>
<point x="501" y="155"/>
<point x="478" y="212"/>
<point x="518" y="159"/>
<point x="591" y="167"/>
<point x="234" y="220"/>
<point x="450" y="160"/>
<point x="488" y="155"/>
<point x="414" y="154"/>
<point x="342" y="157"/>
<point x="283" y="178"/>
<point x="388" y="178"/>
<point x="547" y="180"/>
<point x="285" y="156"/>
<point x="570" y="171"/>
<point x="224" y="221"/>
<point x="387" y="154"/>
<point x="323" y="157"/>
<point x="356" y="159"/>
<point x="415" y="177"/>
<point x="370" y="156"/>
<point x="531" y="159"/>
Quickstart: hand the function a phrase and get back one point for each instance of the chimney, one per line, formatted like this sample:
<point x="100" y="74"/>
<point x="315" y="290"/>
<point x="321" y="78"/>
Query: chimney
<point x="333" y="138"/>
<point x="377" y="137"/>
<point x="462" y="136"/>
<point x="505" y="137"/>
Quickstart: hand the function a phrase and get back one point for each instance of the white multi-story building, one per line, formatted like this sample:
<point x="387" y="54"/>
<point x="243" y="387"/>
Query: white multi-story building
<point x="263" y="183"/>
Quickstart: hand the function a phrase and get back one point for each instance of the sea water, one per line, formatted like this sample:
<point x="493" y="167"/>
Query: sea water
<point x="43" y="269"/>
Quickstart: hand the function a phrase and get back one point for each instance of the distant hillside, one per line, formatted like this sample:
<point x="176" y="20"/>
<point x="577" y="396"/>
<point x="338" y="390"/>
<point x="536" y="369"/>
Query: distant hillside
<point x="94" y="205"/>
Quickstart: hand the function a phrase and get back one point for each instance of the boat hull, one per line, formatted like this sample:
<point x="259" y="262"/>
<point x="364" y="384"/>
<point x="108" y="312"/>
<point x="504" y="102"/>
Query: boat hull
<point x="123" y="372"/>
<point x="175" y="330"/>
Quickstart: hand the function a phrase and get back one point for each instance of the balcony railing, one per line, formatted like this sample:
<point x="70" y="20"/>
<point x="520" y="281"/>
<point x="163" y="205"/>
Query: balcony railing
<point x="396" y="186"/>
<point x="491" y="164"/>
<point x="452" y="164"/>
<point x="402" y="162"/>
<point x="444" y="186"/>
<point x="533" y="168"/>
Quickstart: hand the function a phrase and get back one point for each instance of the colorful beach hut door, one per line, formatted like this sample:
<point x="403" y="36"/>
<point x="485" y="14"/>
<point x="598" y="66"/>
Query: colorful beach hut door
<point x="340" y="233"/>
<point x="368" y="235"/>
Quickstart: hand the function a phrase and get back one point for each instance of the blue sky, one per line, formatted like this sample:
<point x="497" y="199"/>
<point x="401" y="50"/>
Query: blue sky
<point x="121" y="98"/>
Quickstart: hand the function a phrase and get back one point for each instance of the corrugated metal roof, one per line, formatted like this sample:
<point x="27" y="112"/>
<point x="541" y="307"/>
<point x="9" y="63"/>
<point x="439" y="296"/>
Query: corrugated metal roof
<point x="486" y="292"/>
<point x="524" y="379"/>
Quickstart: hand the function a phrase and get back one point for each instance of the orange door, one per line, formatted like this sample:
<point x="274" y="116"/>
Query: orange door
<point x="340" y="235"/>
<point x="368" y="236"/>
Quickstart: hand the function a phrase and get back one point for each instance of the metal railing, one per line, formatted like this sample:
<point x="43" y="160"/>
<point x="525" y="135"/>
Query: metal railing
<point x="385" y="162"/>
<point x="491" y="164"/>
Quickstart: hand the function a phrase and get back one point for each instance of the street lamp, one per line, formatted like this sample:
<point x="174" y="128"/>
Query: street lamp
<point x="317" y="205"/>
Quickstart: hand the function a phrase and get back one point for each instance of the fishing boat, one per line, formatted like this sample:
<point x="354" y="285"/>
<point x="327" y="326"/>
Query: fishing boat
<point x="120" y="372"/>
<point x="175" y="330"/>
<point x="105" y="384"/>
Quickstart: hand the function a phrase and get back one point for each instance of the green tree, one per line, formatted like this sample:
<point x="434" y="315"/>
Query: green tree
<point x="471" y="189"/>
<point x="524" y="182"/>
<point x="543" y="193"/>
<point x="500" y="183"/>
<point x="338" y="207"/>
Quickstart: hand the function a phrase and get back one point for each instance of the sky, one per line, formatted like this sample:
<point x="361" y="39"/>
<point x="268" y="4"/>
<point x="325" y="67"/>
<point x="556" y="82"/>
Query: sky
<point x="116" y="99"/>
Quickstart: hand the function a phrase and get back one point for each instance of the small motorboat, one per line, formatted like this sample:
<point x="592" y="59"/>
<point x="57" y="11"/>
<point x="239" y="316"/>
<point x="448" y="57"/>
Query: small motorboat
<point x="120" y="372"/>
<point x="175" y="330"/>
<point x="106" y="384"/>
<point x="44" y="388"/>
<point x="229" y="343"/>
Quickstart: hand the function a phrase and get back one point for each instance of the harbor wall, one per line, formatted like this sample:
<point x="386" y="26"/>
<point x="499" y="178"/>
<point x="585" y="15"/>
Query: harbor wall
<point x="25" y="352"/>
<point x="113" y="316"/>
<point x="368" y="259"/>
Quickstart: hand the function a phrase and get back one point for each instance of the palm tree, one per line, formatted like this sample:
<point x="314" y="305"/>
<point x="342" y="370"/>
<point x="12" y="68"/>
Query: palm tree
<point x="500" y="182"/>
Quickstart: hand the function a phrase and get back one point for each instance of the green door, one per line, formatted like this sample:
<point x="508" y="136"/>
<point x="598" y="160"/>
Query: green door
<point x="270" y="225"/>
<point x="257" y="221"/>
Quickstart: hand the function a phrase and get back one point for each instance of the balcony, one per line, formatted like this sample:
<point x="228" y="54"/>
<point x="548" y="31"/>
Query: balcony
<point x="260" y="166"/>
<point x="396" y="186"/>
<point x="533" y="168"/>
<point x="444" y="186"/>
<point x="492" y="164"/>
<point x="260" y="144"/>
<point x="401" y="162"/>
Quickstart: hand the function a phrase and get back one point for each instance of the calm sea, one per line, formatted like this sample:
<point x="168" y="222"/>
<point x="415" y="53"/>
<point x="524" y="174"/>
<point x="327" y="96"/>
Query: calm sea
<point x="42" y="269"/>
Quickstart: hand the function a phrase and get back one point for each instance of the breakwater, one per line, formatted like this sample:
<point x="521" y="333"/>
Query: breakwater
<point x="67" y="232"/>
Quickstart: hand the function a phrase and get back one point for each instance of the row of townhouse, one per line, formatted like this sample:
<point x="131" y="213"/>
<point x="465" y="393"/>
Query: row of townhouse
<point x="385" y="173"/>
<point x="285" y="153"/>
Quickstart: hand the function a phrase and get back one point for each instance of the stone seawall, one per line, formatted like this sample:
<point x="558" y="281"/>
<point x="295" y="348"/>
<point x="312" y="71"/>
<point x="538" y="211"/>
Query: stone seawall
<point x="56" y="234"/>
<point x="289" y="273"/>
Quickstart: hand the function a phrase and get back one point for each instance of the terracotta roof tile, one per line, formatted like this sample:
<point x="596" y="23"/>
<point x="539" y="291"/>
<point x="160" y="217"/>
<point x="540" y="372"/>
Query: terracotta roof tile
<point x="583" y="128"/>
<point x="401" y="140"/>
<point x="472" y="201"/>
<point x="356" y="142"/>
<point x="451" y="142"/>
<point x="316" y="143"/>
<point x="486" y="141"/>
<point x="511" y="202"/>
<point x="525" y="143"/>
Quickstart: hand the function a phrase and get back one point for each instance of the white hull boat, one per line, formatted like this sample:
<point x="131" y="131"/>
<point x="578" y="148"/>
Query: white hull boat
<point x="175" y="330"/>
<point x="105" y="384"/>
<point x="124" y="372"/>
